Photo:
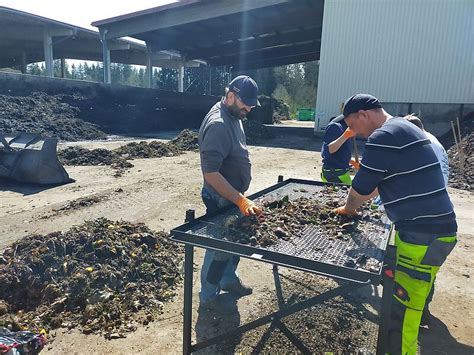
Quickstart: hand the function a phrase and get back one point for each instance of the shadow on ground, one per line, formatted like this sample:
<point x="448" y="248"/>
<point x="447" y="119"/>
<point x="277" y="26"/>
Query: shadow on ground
<point x="212" y="323"/>
<point x="23" y="188"/>
<point x="438" y="340"/>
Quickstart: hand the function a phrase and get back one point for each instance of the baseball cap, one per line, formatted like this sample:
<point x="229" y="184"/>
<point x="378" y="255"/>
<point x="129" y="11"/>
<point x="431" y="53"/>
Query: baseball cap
<point x="246" y="88"/>
<point x="360" y="102"/>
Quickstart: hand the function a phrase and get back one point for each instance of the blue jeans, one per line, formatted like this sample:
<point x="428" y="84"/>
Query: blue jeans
<point x="218" y="268"/>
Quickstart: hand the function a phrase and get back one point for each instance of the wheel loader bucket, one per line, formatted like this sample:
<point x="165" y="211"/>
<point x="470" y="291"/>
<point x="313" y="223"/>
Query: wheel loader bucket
<point x="30" y="158"/>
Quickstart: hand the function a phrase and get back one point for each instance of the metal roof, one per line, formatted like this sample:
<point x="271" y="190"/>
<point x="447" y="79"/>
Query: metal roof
<point x="240" y="33"/>
<point x="23" y="34"/>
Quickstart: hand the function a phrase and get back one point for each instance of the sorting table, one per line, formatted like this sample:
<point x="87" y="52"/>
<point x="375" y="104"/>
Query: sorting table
<point x="312" y="252"/>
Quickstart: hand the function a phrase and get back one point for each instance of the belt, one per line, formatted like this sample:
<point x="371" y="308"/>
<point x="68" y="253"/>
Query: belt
<point x="337" y="172"/>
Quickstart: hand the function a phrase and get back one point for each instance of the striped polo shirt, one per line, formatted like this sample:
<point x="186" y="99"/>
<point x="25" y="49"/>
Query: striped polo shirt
<point x="399" y="160"/>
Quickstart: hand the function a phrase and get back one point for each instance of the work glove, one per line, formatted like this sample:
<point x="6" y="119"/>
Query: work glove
<point x="247" y="207"/>
<point x="348" y="133"/>
<point x="355" y="164"/>
<point x="343" y="212"/>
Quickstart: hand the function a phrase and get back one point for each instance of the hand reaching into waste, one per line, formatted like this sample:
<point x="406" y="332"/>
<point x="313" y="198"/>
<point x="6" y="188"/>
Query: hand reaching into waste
<point x="247" y="207"/>
<point x="344" y="212"/>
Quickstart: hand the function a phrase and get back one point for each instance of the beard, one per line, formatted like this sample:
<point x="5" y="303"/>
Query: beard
<point x="237" y="112"/>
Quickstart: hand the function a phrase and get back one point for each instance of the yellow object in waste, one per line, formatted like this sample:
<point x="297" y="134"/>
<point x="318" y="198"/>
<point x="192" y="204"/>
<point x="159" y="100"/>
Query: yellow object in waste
<point x="89" y="269"/>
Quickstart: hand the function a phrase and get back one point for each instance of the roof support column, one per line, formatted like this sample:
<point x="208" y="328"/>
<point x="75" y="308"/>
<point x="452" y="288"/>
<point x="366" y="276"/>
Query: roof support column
<point x="63" y="65"/>
<point x="105" y="56"/>
<point x="48" y="53"/>
<point x="181" y="78"/>
<point x="23" y="62"/>
<point x="149" y="70"/>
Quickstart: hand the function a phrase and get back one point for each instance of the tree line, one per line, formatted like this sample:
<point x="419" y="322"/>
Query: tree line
<point x="295" y="84"/>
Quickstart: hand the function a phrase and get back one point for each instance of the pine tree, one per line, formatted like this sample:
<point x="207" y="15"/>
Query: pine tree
<point x="141" y="77"/>
<point x="167" y="79"/>
<point x="73" y="72"/>
<point x="33" y="69"/>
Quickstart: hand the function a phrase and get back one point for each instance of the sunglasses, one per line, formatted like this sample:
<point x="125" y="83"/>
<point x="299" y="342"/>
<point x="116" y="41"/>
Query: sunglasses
<point x="239" y="98"/>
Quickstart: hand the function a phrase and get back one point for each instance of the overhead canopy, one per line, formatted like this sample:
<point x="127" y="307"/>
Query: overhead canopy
<point x="22" y="41"/>
<point x="240" y="33"/>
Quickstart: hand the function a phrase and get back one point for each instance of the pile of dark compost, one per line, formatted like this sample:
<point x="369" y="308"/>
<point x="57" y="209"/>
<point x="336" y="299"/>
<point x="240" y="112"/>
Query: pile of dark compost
<point x="83" y="157"/>
<point x="461" y="157"/>
<point x="45" y="115"/>
<point x="118" y="158"/>
<point x="256" y="132"/>
<point x="102" y="277"/>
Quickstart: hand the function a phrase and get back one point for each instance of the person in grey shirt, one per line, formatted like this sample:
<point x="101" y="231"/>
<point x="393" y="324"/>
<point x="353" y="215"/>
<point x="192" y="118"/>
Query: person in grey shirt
<point x="226" y="169"/>
<point x="436" y="145"/>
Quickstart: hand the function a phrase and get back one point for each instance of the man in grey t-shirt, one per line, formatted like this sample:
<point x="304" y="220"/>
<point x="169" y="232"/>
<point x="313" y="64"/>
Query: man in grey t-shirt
<point x="436" y="145"/>
<point x="225" y="165"/>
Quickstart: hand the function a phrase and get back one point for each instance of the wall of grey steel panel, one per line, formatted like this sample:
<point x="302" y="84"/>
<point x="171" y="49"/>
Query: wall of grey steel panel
<point x="402" y="51"/>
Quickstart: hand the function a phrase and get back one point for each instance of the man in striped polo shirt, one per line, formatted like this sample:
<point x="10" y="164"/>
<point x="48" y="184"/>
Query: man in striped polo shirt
<point x="399" y="164"/>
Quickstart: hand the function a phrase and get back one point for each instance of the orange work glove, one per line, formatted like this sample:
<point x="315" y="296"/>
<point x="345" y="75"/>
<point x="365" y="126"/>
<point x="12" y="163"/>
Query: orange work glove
<point x="348" y="133"/>
<point x="355" y="164"/>
<point x="247" y="207"/>
<point x="343" y="212"/>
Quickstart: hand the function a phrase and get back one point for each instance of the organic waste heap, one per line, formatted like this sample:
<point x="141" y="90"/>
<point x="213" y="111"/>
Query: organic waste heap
<point x="461" y="158"/>
<point x="102" y="276"/>
<point x="284" y="219"/>
<point x="45" y="115"/>
<point x="118" y="158"/>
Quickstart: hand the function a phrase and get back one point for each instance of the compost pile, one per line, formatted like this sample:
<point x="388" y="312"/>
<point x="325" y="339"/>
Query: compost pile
<point x="281" y="111"/>
<point x="45" y="115"/>
<point x="461" y="159"/>
<point x="269" y="111"/>
<point x="143" y="149"/>
<point x="256" y="132"/>
<point x="100" y="156"/>
<point x="103" y="277"/>
<point x="117" y="158"/>
<point x="187" y="140"/>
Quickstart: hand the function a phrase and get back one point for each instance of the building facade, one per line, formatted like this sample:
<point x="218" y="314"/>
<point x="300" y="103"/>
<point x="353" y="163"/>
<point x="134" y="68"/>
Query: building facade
<point x="416" y="56"/>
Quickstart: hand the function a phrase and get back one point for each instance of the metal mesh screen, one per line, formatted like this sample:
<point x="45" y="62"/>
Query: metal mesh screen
<point x="369" y="241"/>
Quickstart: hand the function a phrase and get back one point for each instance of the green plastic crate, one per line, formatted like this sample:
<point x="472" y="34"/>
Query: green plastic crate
<point x="305" y="114"/>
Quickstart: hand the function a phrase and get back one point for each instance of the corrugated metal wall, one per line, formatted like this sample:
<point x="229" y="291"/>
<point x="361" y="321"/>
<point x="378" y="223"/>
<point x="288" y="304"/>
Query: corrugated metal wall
<point x="414" y="51"/>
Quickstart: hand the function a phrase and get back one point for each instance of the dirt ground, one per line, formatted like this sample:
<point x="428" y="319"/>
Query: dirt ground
<point x="159" y="191"/>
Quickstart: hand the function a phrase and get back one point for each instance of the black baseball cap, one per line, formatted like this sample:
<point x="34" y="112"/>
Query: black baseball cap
<point x="246" y="88"/>
<point x="360" y="102"/>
